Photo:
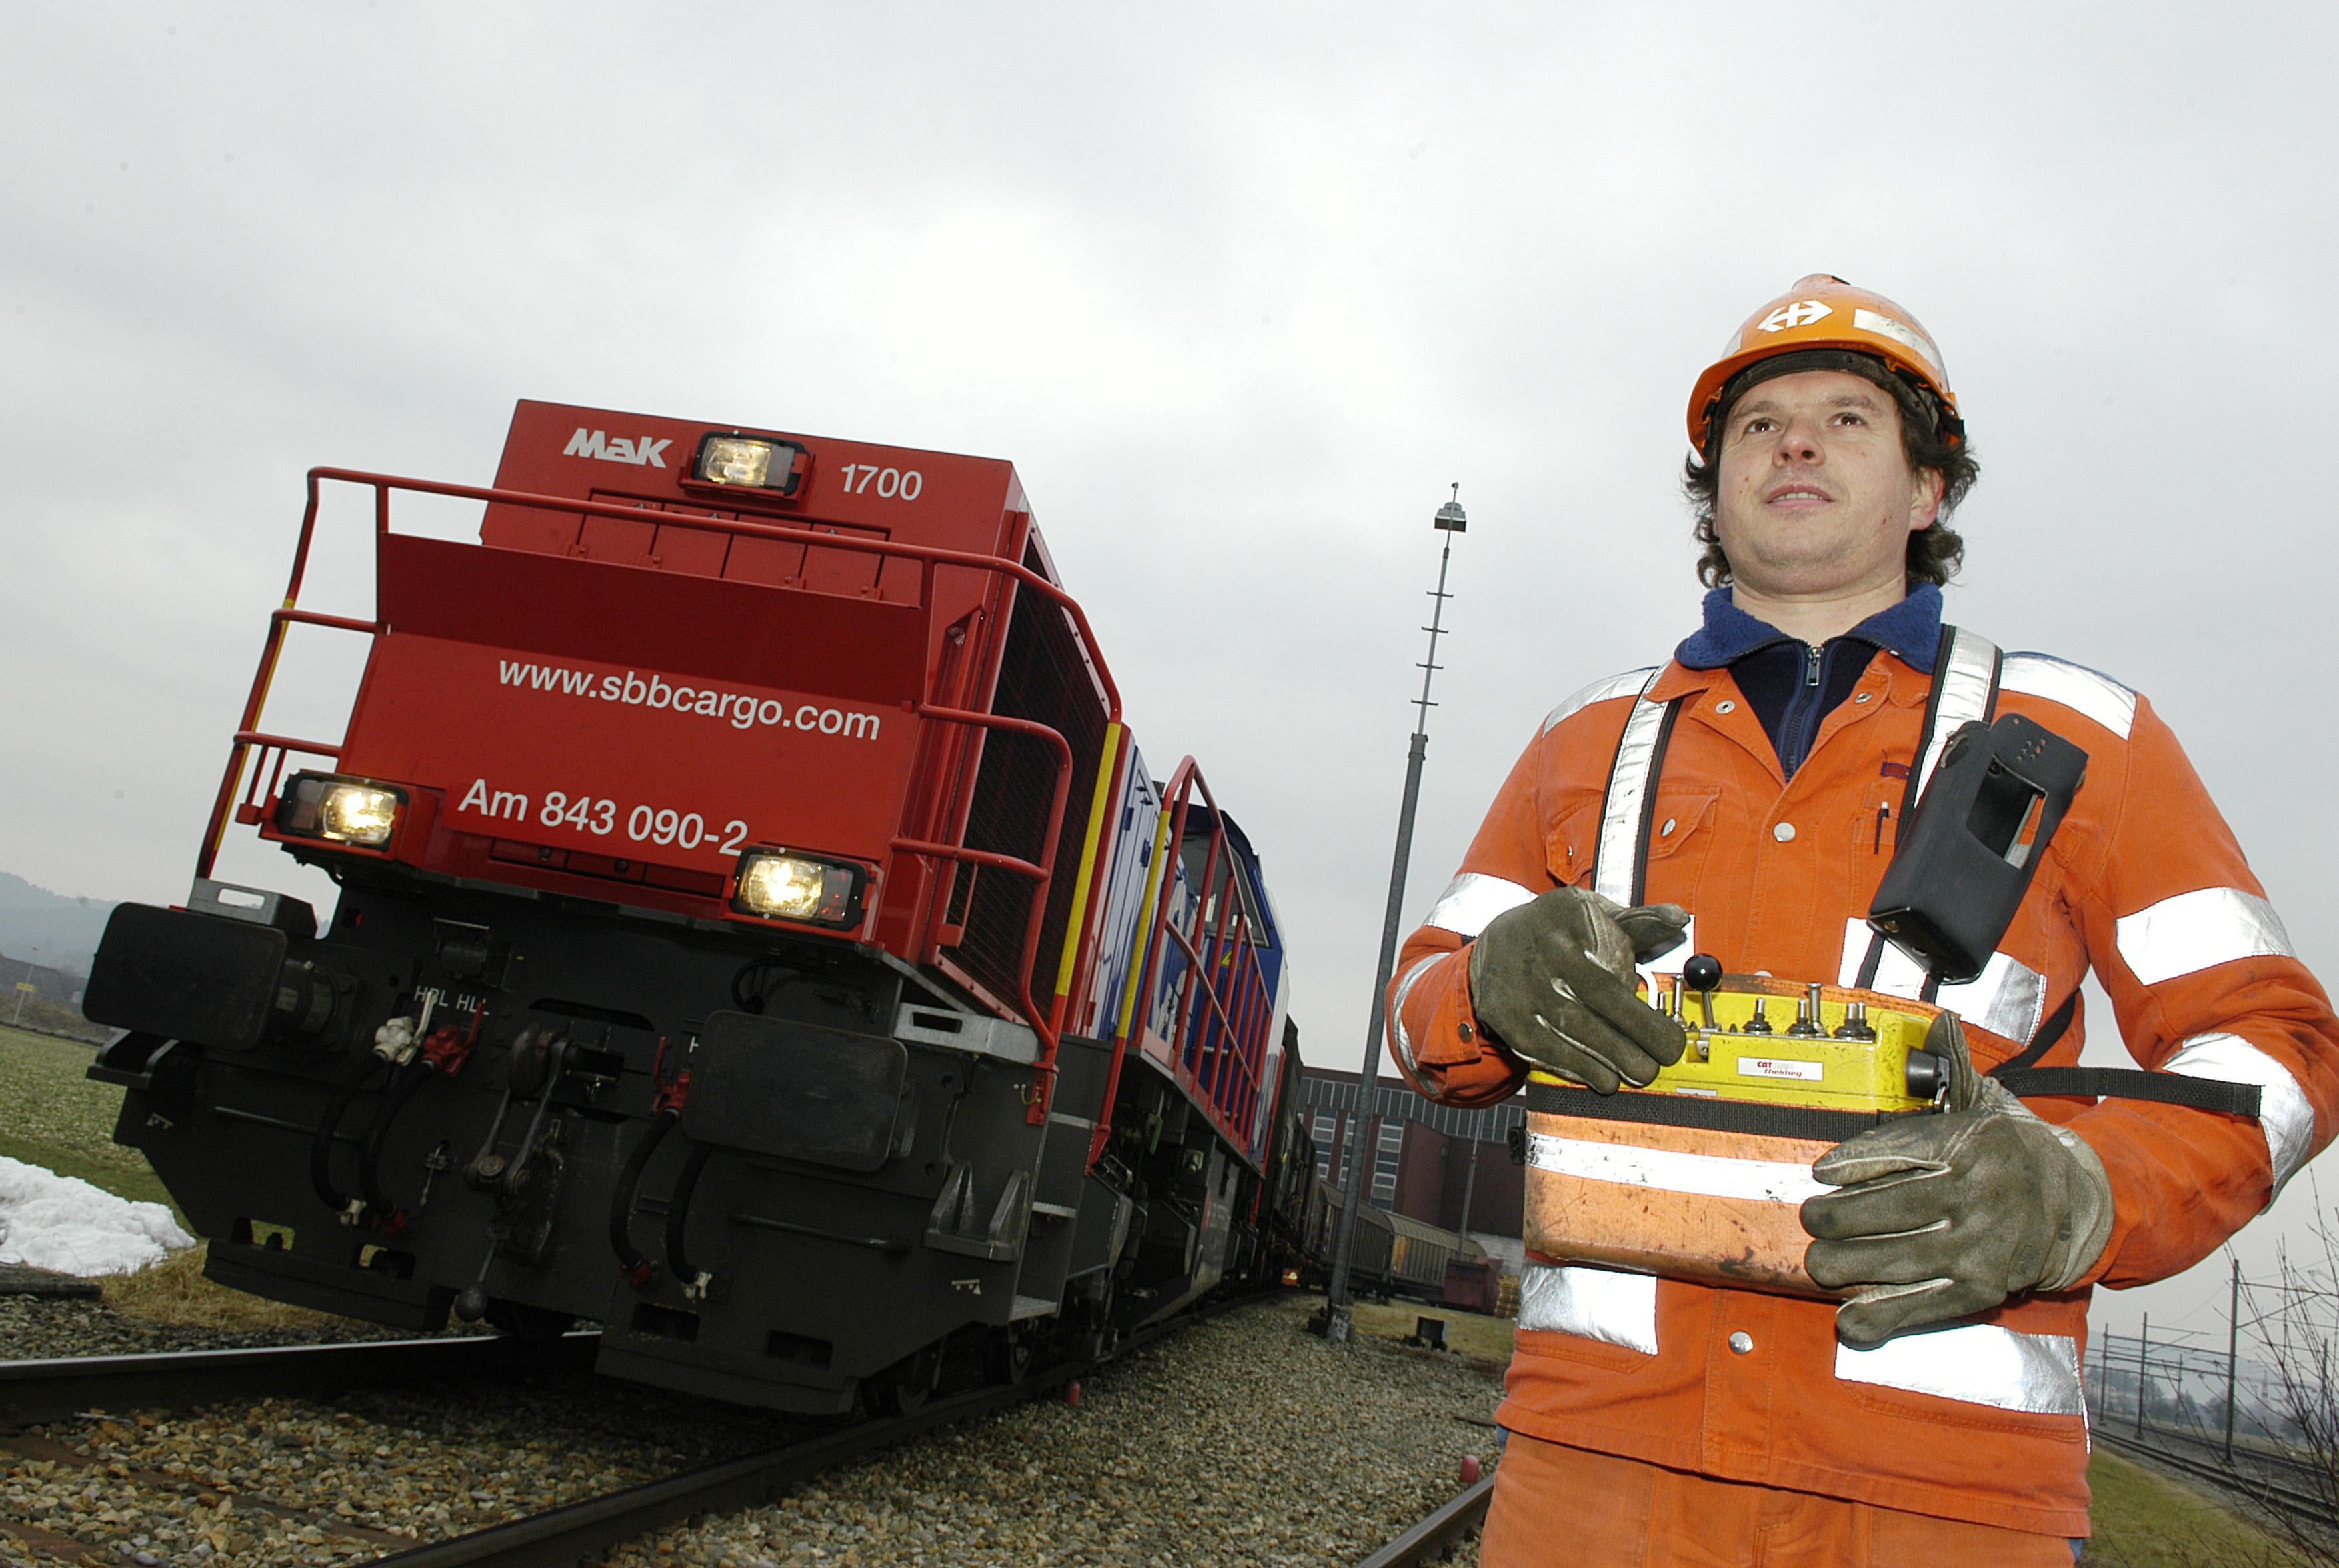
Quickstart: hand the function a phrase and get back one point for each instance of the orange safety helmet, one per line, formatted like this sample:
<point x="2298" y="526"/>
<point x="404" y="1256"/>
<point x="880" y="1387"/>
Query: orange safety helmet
<point x="1823" y="311"/>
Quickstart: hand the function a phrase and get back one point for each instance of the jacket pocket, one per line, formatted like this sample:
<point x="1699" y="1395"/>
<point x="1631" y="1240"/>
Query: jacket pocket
<point x="1681" y="832"/>
<point x="1560" y="1346"/>
<point x="1870" y="837"/>
<point x="1571" y="841"/>
<point x="1929" y="1410"/>
<point x="1681" y="835"/>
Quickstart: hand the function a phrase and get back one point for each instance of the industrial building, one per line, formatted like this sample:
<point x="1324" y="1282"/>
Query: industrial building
<point x="1446" y="1167"/>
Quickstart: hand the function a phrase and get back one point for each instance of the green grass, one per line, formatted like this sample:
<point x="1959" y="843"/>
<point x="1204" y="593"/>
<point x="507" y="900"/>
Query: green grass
<point x="1472" y="1333"/>
<point x="52" y="1115"/>
<point x="2145" y="1520"/>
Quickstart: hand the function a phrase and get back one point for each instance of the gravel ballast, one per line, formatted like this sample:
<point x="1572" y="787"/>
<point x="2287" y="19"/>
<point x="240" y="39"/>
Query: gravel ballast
<point x="1242" y="1440"/>
<point x="35" y="1328"/>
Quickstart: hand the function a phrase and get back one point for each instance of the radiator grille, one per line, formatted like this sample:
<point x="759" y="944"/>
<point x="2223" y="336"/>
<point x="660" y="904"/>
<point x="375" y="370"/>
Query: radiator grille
<point x="1041" y="678"/>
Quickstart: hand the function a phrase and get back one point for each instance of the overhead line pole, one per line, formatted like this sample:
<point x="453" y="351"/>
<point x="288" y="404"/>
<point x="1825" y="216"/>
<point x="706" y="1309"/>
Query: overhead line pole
<point x="1449" y="521"/>
<point x="2233" y="1351"/>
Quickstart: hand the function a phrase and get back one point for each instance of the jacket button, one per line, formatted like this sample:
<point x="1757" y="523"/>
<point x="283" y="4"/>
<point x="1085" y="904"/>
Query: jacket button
<point x="1666" y="831"/>
<point x="1464" y="1029"/>
<point x="1861" y="696"/>
<point x="1784" y="833"/>
<point x="1725" y="707"/>
<point x="1742" y="1343"/>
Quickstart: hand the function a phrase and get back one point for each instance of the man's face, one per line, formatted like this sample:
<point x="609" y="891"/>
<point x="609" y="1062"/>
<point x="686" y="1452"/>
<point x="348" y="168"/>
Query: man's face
<point x="1816" y="498"/>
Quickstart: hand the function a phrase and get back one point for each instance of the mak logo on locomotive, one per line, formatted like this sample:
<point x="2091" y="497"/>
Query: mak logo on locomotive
<point x="742" y="710"/>
<point x="641" y="451"/>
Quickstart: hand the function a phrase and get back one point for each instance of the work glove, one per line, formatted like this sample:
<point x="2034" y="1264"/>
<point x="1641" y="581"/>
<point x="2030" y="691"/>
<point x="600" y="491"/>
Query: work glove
<point x="1946" y="1215"/>
<point x="1553" y="979"/>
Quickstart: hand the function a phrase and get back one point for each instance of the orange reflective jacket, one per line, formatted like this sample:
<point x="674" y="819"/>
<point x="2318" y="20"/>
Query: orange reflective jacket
<point x="2144" y="883"/>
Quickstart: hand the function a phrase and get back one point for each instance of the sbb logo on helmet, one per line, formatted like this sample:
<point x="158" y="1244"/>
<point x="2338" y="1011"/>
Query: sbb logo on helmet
<point x="1801" y="314"/>
<point x="1823" y="311"/>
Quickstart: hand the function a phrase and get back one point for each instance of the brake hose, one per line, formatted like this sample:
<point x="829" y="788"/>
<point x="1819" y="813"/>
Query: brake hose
<point x="677" y="1212"/>
<point x="320" y="1145"/>
<point x="413" y="1078"/>
<point x="621" y="1202"/>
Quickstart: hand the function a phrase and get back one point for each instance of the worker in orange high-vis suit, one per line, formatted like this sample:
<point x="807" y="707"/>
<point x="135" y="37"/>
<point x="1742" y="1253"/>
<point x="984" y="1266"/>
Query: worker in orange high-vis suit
<point x="1754" y="786"/>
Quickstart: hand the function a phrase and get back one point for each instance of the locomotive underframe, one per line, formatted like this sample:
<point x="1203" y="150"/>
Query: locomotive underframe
<point x="945" y="1205"/>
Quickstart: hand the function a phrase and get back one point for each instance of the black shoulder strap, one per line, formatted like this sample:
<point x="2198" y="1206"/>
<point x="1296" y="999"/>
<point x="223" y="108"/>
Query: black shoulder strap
<point x="1620" y="860"/>
<point x="2130" y="1083"/>
<point x="2044" y="1040"/>
<point x="1965" y="690"/>
<point x="2116" y="1082"/>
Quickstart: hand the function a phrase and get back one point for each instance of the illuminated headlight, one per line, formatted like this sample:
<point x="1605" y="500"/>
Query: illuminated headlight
<point x="344" y="811"/>
<point x="780" y="886"/>
<point x="751" y="463"/>
<point x="358" y="814"/>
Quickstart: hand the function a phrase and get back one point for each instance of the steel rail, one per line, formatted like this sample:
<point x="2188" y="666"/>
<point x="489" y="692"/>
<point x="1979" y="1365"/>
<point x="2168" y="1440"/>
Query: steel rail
<point x="2270" y="1495"/>
<point x="1425" y="1541"/>
<point x="564" y="1536"/>
<point x="62" y="1387"/>
<point x="2194" y="1442"/>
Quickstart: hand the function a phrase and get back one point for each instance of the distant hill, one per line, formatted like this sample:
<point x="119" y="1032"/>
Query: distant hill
<point x="47" y="929"/>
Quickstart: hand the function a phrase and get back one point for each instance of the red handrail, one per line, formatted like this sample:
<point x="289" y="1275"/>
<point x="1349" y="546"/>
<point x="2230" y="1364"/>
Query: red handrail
<point x="1246" y="989"/>
<point x="929" y="556"/>
<point x="1044" y="1069"/>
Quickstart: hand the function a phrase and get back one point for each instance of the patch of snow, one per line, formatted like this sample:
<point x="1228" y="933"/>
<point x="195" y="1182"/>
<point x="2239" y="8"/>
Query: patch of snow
<point x="64" y="1224"/>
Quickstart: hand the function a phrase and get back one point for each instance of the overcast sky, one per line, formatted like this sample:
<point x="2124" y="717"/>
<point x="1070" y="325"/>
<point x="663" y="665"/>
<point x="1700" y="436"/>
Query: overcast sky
<point x="1238" y="289"/>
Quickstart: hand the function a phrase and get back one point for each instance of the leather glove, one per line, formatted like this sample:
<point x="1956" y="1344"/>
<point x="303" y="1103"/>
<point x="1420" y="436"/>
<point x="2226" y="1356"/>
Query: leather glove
<point x="1945" y="1216"/>
<point x="1553" y="979"/>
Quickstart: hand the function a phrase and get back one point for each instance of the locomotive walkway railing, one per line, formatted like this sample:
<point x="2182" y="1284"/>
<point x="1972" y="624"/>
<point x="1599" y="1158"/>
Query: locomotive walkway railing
<point x="253" y="746"/>
<point x="1217" y="1034"/>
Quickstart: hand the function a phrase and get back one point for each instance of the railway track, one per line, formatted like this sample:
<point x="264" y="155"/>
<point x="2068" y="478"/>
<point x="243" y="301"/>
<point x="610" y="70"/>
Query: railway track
<point x="62" y="1387"/>
<point x="99" y="1388"/>
<point x="562" y="1537"/>
<point x="567" y="1467"/>
<point x="1443" y="1530"/>
<point x="2254" y="1489"/>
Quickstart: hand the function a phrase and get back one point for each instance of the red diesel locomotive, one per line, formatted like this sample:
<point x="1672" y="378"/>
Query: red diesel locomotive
<point x="758" y="933"/>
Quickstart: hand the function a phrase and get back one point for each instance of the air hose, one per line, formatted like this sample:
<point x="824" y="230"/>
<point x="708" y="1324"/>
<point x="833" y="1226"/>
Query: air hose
<point x="411" y="1079"/>
<point x="320" y="1145"/>
<point x="637" y="1267"/>
<point x="678" y="1214"/>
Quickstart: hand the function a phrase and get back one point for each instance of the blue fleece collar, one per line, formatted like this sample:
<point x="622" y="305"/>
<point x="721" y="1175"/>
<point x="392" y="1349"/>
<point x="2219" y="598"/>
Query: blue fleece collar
<point x="1910" y="629"/>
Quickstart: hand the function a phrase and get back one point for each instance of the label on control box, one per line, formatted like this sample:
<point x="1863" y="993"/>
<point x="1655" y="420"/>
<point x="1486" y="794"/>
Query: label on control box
<point x="1778" y="1067"/>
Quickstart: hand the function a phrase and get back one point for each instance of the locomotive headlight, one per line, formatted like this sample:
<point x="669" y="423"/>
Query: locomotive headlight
<point x="358" y="814"/>
<point x="750" y="462"/>
<point x="344" y="811"/>
<point x="781" y="886"/>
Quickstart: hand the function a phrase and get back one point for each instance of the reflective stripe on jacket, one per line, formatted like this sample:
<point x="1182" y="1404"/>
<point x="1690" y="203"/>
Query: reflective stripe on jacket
<point x="2144" y="882"/>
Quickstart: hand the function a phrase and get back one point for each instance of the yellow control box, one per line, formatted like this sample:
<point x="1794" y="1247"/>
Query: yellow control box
<point x="1701" y="1175"/>
<point x="1820" y="1046"/>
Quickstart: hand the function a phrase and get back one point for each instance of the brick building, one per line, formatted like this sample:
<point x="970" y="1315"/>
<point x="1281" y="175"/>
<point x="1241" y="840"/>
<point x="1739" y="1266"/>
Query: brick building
<point x="1427" y="1160"/>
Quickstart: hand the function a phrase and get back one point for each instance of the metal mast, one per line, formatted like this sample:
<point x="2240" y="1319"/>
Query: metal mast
<point x="1449" y="521"/>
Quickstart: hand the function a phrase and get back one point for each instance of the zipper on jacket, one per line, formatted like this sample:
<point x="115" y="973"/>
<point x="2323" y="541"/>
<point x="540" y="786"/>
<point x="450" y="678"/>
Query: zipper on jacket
<point x="1801" y="712"/>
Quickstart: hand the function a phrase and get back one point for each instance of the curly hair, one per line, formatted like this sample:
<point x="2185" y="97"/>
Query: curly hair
<point x="1935" y="554"/>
